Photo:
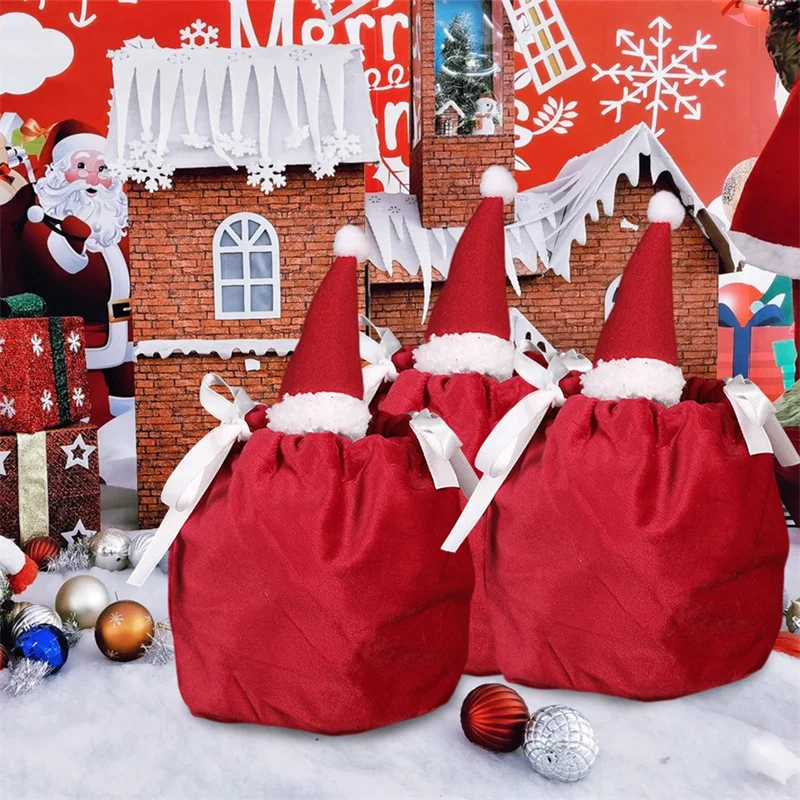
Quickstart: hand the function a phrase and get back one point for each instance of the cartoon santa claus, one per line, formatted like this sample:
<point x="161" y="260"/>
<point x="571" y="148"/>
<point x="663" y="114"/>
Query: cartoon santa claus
<point x="77" y="256"/>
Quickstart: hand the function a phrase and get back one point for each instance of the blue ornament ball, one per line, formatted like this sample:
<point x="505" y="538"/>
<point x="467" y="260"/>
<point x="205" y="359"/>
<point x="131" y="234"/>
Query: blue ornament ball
<point x="43" y="643"/>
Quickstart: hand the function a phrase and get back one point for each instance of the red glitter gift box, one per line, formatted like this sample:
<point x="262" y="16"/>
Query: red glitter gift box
<point x="42" y="367"/>
<point x="49" y="483"/>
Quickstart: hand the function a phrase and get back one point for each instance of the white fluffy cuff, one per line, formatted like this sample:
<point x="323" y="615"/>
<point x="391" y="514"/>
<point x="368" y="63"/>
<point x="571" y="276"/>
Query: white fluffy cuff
<point x="628" y="378"/>
<point x="466" y="352"/>
<point x="320" y="412"/>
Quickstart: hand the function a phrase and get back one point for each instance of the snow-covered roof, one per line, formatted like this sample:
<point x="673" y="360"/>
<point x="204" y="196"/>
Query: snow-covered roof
<point x="450" y="104"/>
<point x="209" y="106"/>
<point x="224" y="348"/>
<point x="549" y="218"/>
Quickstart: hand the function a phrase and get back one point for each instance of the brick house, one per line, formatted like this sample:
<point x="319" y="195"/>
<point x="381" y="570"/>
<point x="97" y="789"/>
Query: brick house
<point x="222" y="270"/>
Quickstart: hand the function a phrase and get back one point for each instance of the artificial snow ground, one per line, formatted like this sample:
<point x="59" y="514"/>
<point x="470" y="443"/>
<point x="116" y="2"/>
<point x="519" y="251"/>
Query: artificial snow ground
<point x="106" y="730"/>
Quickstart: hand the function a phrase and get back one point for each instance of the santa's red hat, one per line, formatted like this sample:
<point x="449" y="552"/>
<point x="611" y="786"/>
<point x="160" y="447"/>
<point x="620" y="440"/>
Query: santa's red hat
<point x="18" y="568"/>
<point x="637" y="353"/>
<point x="469" y="329"/>
<point x="67" y="137"/>
<point x="766" y="224"/>
<point x="323" y="388"/>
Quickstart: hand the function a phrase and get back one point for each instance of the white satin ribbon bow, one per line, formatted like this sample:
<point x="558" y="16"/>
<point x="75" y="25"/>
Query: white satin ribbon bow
<point x="509" y="438"/>
<point x="442" y="450"/>
<point x="756" y="416"/>
<point x="379" y="354"/>
<point x="192" y="477"/>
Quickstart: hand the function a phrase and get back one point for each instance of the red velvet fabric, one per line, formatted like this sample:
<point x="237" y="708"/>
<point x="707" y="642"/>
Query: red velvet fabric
<point x="641" y="323"/>
<point x="307" y="590"/>
<point x="471" y="404"/>
<point x="637" y="550"/>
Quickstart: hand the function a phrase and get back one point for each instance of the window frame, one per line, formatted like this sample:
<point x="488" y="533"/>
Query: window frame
<point x="245" y="245"/>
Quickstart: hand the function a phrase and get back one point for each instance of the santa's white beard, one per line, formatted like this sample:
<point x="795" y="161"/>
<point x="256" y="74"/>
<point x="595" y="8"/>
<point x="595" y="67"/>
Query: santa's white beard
<point x="106" y="212"/>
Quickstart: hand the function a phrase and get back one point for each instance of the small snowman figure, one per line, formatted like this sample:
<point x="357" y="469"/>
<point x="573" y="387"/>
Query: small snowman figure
<point x="486" y="115"/>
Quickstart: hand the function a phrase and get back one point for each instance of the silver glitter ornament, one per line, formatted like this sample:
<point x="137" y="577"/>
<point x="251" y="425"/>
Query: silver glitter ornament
<point x="5" y="590"/>
<point x="138" y="547"/>
<point x="31" y="616"/>
<point x="733" y="185"/>
<point x="109" y="549"/>
<point x="560" y="743"/>
<point x="792" y="615"/>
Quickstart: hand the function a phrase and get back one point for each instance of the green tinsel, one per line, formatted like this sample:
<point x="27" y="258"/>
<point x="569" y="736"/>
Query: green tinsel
<point x="23" y="305"/>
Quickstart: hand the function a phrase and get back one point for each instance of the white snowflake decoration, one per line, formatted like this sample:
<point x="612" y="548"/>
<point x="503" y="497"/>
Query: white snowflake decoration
<point x="145" y="165"/>
<point x="78" y="396"/>
<point x="199" y="34"/>
<point x="296" y="137"/>
<point x="37" y="344"/>
<point x="7" y="407"/>
<point x="662" y="75"/>
<point x="47" y="400"/>
<point x="236" y="145"/>
<point x="196" y="140"/>
<point x="341" y="145"/>
<point x="266" y="175"/>
<point x="2" y="343"/>
<point x="74" y="341"/>
<point x="324" y="166"/>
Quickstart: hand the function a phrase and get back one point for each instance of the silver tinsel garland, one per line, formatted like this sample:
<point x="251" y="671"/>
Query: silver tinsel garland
<point x="74" y="558"/>
<point x="26" y="675"/>
<point x="161" y="649"/>
<point x="72" y="630"/>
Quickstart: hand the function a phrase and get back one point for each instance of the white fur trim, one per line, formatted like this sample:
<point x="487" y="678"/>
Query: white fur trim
<point x="666" y="207"/>
<point x="12" y="559"/>
<point x="628" y="378"/>
<point x="780" y="259"/>
<point x="497" y="181"/>
<point x="78" y="141"/>
<point x="351" y="241"/>
<point x="35" y="214"/>
<point x="320" y="412"/>
<point x="466" y="352"/>
<point x="64" y="255"/>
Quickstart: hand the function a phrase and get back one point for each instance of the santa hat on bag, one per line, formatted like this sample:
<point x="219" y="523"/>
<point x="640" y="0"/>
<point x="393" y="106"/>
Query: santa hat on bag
<point x="323" y="388"/>
<point x="66" y="137"/>
<point x="20" y="570"/>
<point x="766" y="224"/>
<point x="469" y="329"/>
<point x="637" y="352"/>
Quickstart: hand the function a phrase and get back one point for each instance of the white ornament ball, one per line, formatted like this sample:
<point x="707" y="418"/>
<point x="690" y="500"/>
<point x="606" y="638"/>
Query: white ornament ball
<point x="138" y="547"/>
<point x="82" y="598"/>
<point x="109" y="549"/>
<point x="560" y="743"/>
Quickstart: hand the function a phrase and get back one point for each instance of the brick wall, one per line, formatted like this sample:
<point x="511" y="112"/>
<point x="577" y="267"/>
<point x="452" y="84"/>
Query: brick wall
<point x="171" y="268"/>
<point x="446" y="170"/>
<point x="571" y="314"/>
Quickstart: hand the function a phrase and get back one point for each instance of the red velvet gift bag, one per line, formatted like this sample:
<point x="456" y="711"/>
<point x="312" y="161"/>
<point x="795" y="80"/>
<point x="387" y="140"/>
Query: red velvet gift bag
<point x="637" y="550"/>
<point x="307" y="589"/>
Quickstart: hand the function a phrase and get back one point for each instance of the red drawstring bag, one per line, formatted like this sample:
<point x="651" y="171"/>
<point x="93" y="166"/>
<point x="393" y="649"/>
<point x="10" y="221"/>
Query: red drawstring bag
<point x="470" y="404"/>
<point x="308" y="590"/>
<point x="637" y="550"/>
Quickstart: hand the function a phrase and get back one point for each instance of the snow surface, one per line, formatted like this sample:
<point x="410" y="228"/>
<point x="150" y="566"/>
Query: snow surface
<point x="105" y="730"/>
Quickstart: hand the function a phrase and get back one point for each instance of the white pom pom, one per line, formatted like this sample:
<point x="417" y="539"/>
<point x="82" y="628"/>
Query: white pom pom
<point x="666" y="207"/>
<point x="351" y="241"/>
<point x="35" y="214"/>
<point x="497" y="181"/>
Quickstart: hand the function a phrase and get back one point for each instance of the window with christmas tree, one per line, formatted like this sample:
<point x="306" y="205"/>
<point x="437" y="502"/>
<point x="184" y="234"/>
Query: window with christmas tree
<point x="468" y="68"/>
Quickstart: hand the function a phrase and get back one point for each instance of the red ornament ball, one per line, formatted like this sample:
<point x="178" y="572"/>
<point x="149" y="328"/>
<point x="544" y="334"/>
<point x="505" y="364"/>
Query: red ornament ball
<point x="4" y="657"/>
<point x="42" y="550"/>
<point x="494" y="716"/>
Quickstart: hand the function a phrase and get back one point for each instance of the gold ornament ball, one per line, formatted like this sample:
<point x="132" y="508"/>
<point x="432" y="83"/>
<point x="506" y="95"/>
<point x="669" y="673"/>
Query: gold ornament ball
<point x="109" y="549"/>
<point x="123" y="630"/>
<point x="733" y="185"/>
<point x="82" y="598"/>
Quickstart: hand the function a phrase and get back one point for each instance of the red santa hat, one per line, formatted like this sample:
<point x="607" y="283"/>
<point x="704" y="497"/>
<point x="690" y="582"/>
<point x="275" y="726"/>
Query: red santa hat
<point x="323" y="388"/>
<point x="766" y="224"/>
<point x="469" y="329"/>
<point x="20" y="570"/>
<point x="67" y="137"/>
<point x="637" y="352"/>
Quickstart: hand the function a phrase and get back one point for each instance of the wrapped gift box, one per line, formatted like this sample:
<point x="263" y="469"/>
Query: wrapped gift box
<point x="49" y="482"/>
<point x="42" y="367"/>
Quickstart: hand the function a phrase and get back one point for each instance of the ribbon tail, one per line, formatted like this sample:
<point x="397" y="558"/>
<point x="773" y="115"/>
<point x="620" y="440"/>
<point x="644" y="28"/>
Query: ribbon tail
<point x="166" y="534"/>
<point x="782" y="445"/>
<point x="373" y="377"/>
<point x="465" y="475"/>
<point x="475" y="508"/>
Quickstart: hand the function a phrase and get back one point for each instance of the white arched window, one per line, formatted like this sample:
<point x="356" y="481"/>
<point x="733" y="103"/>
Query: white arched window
<point x="247" y="281"/>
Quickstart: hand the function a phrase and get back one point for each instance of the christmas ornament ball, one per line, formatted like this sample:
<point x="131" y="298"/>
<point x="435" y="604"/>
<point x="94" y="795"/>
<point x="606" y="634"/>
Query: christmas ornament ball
<point x="109" y="549"/>
<point x="123" y="630"/>
<point x="793" y="616"/>
<point x="733" y="185"/>
<point x="42" y="550"/>
<point x="43" y="643"/>
<point x="24" y="616"/>
<point x="5" y="656"/>
<point x="560" y="743"/>
<point x="82" y="597"/>
<point x="493" y="716"/>
<point x="139" y="545"/>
